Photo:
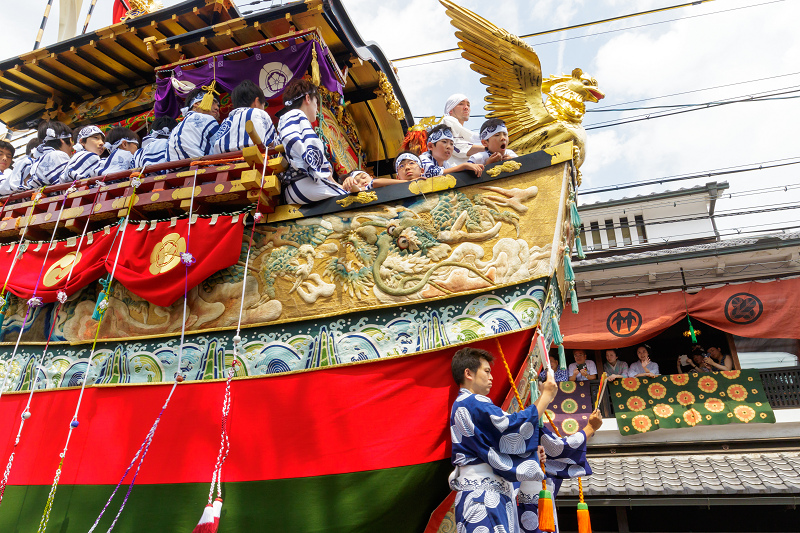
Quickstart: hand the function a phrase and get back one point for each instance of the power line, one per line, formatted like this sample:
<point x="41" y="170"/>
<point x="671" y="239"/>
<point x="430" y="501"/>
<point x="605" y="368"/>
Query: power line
<point x="583" y="25"/>
<point x="709" y="105"/>
<point x="578" y="36"/>
<point x="708" y="174"/>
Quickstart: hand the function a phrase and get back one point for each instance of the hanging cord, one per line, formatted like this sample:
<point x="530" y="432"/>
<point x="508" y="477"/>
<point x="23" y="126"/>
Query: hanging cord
<point x="62" y="297"/>
<point x="135" y="182"/>
<point x="36" y="197"/>
<point x="187" y="260"/>
<point x="32" y="302"/>
<point x="224" y="447"/>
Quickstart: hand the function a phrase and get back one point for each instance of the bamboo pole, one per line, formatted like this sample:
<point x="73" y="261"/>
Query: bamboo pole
<point x="88" y="16"/>
<point x="44" y="23"/>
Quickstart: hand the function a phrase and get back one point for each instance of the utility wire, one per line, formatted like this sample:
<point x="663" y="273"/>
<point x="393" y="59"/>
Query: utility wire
<point x="709" y="105"/>
<point x="583" y="25"/>
<point x="709" y="174"/>
<point x="579" y="36"/>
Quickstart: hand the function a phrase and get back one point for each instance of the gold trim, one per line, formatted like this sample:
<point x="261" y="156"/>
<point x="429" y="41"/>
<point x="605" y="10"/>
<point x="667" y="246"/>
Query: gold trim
<point x="508" y="166"/>
<point x="364" y="197"/>
<point x="387" y="92"/>
<point x="434" y="184"/>
<point x="562" y="152"/>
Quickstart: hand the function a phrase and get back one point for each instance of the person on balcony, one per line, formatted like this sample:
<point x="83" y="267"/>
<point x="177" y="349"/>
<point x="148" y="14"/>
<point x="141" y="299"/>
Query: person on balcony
<point x="192" y="138"/>
<point x="248" y="102"/>
<point x="55" y="151"/>
<point x="465" y="143"/>
<point x="644" y="367"/>
<point x="85" y="162"/>
<point x="613" y="367"/>
<point x="582" y="369"/>
<point x="717" y="361"/>
<point x="310" y="176"/>
<point x="154" y="144"/>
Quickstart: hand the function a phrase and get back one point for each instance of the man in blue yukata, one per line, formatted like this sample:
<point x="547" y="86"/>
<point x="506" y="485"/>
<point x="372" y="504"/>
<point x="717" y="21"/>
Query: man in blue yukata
<point x="497" y="455"/>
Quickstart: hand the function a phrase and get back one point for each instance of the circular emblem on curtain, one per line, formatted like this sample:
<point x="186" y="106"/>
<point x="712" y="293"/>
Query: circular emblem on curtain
<point x="624" y="322"/>
<point x="273" y="78"/>
<point x="166" y="254"/>
<point x="60" y="269"/>
<point x="743" y="308"/>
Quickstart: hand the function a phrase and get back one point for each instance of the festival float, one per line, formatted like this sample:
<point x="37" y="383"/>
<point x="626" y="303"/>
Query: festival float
<point x="177" y="343"/>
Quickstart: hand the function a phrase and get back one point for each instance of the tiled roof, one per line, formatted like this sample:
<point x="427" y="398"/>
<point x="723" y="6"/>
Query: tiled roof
<point x="724" y="244"/>
<point x="690" y="475"/>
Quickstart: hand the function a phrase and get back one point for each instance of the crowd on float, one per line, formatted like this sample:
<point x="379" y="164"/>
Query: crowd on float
<point x="60" y="155"/>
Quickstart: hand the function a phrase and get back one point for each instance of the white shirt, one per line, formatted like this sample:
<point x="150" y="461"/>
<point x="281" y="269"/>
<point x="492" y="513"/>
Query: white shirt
<point x="118" y="161"/>
<point x="636" y="368"/>
<point x="431" y="167"/>
<point x="232" y="136"/>
<point x="152" y="152"/>
<point x="48" y="168"/>
<point x="481" y="157"/>
<point x="310" y="177"/>
<point x="83" y="164"/>
<point x="192" y="137"/>
<point x="591" y="368"/>
<point x="463" y="140"/>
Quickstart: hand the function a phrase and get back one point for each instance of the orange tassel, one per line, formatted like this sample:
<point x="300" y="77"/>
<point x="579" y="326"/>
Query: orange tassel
<point x="584" y="524"/>
<point x="415" y="142"/>
<point x="546" y="520"/>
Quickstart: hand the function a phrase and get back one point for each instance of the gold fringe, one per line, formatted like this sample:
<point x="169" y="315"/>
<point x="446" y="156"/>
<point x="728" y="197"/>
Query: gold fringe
<point x="315" y="78"/>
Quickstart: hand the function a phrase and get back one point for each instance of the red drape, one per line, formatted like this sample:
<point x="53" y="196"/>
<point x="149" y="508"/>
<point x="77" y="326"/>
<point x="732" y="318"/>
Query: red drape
<point x="381" y="414"/>
<point x="53" y="277"/>
<point x="754" y="309"/>
<point x="149" y="262"/>
<point x="121" y="8"/>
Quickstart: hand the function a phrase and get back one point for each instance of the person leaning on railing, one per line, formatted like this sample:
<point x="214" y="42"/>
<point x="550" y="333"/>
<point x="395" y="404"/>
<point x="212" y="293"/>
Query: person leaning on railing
<point x="644" y="367"/>
<point x="613" y="367"/>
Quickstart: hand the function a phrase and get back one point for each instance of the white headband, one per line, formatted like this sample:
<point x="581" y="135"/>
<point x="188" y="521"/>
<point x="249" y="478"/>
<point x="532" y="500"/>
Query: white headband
<point x="453" y="101"/>
<point x="111" y="147"/>
<point x="406" y="156"/>
<point x="438" y="135"/>
<point x="493" y="130"/>
<point x="50" y="135"/>
<point x="88" y="131"/>
<point x="287" y="103"/>
<point x="163" y="133"/>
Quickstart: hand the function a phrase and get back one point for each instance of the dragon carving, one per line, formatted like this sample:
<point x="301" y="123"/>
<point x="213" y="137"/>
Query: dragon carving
<point x="513" y="76"/>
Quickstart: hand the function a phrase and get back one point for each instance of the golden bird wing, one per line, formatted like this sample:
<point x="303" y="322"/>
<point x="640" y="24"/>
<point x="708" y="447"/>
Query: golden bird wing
<point x="510" y="69"/>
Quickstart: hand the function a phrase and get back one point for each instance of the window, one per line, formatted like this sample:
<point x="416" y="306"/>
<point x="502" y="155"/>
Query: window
<point x="583" y="235"/>
<point x="612" y="237"/>
<point x="596" y="242"/>
<point x="640" y="229"/>
<point x="766" y="353"/>
<point x="626" y="231"/>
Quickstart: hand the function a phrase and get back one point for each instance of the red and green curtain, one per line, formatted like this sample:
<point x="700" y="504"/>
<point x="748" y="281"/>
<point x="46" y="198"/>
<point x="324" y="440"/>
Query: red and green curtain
<point x="363" y="447"/>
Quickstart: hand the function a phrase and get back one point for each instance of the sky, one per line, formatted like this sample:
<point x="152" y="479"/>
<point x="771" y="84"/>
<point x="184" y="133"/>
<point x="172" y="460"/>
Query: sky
<point x="708" y="52"/>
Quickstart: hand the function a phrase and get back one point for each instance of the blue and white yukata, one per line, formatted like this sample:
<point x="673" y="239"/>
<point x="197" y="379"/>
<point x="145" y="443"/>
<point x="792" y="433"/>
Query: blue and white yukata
<point x="17" y="181"/>
<point x="83" y="164"/>
<point x="192" y="137"/>
<point x="153" y="150"/>
<point x="310" y="176"/>
<point x="117" y="161"/>
<point x="566" y="458"/>
<point x="232" y="136"/>
<point x="492" y="450"/>
<point x="481" y="157"/>
<point x="431" y="167"/>
<point x="48" y="168"/>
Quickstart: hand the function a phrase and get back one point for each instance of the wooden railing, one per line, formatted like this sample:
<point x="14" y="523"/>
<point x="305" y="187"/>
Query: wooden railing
<point x="221" y="182"/>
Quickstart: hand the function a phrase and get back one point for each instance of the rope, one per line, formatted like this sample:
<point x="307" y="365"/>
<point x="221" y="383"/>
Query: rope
<point x="143" y="449"/>
<point x="31" y="304"/>
<point x="74" y="423"/>
<point x="36" y="197"/>
<point x="225" y="445"/>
